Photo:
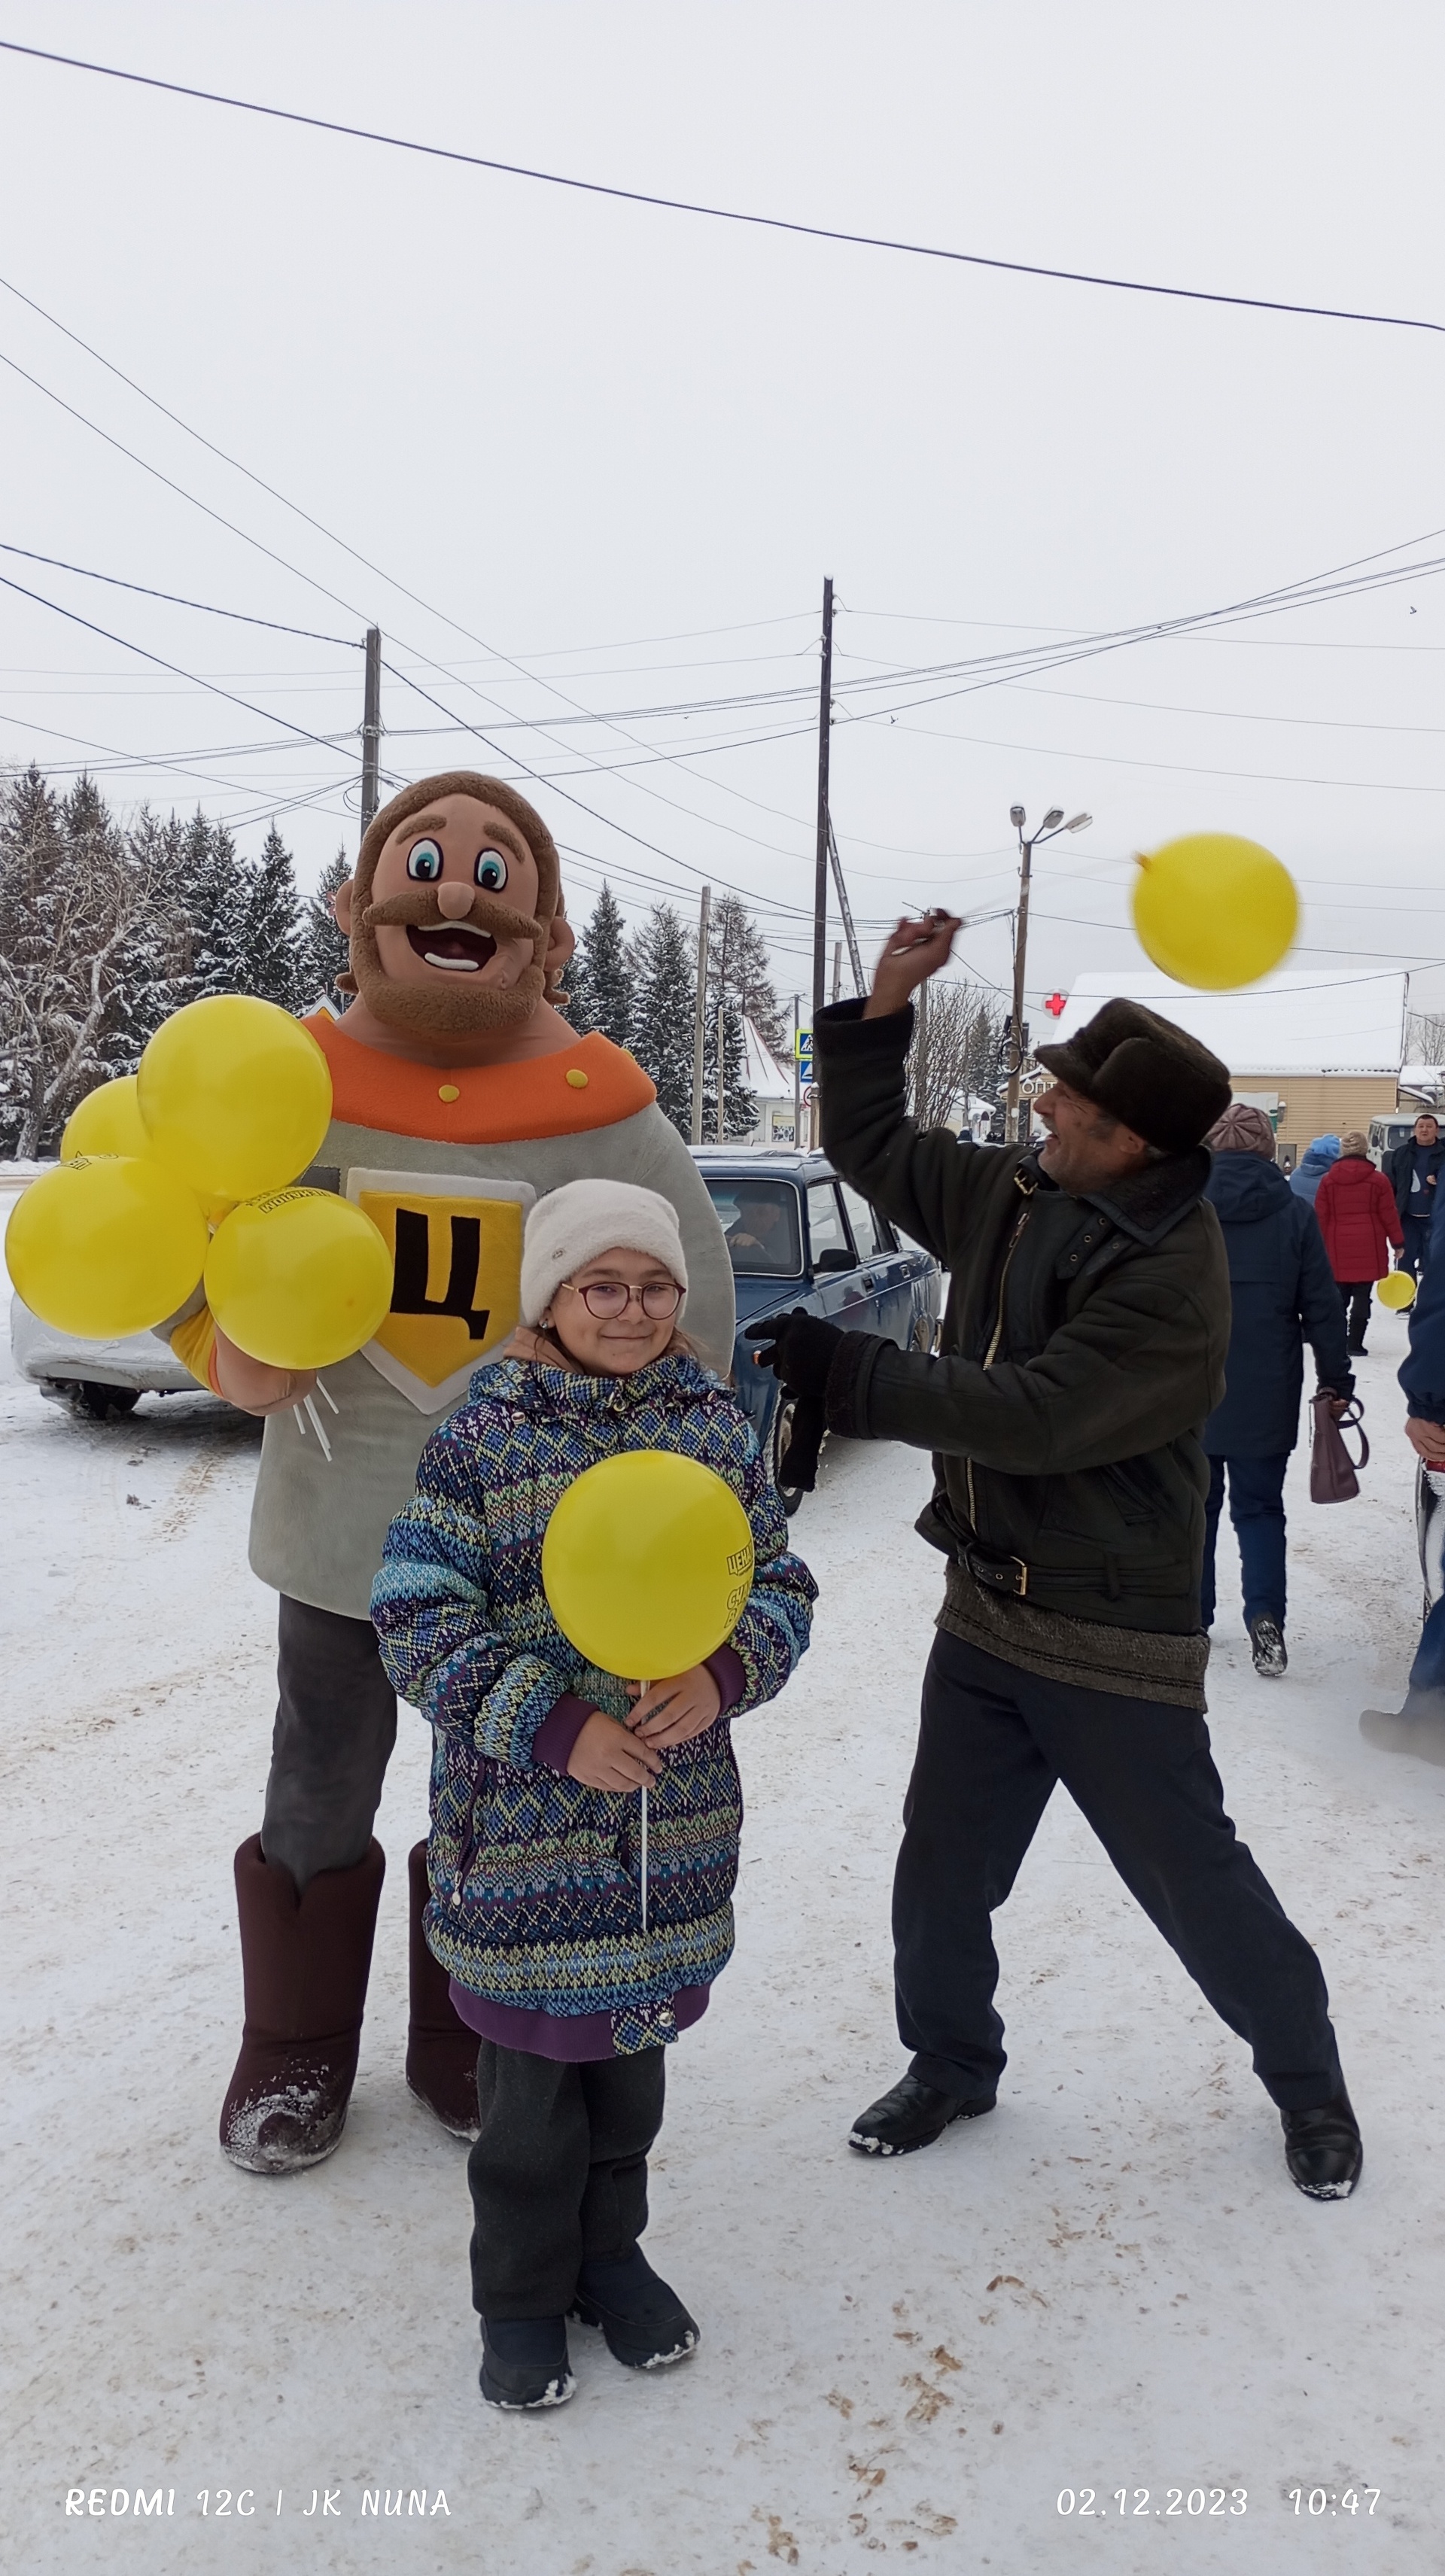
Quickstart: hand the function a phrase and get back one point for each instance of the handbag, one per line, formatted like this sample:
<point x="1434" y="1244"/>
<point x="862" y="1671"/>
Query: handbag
<point x="1333" y="1477"/>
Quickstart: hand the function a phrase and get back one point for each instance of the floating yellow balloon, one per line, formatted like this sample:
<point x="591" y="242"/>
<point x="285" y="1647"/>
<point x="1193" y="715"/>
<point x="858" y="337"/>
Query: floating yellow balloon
<point x="300" y="1279"/>
<point x="1215" y="911"/>
<point x="235" y="1096"/>
<point x="1398" y="1290"/>
<point x="106" y="1246"/>
<point x="107" y="1121"/>
<point x="647" y="1564"/>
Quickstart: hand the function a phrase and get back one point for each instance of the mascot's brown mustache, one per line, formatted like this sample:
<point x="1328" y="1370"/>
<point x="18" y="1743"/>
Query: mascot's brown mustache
<point x="416" y="909"/>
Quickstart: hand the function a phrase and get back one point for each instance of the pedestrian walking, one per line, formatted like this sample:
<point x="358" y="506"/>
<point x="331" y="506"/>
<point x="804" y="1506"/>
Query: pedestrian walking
<point x="1282" y="1294"/>
<point x="1358" y="1218"/>
<point x="1313" y="1164"/>
<point x="1082" y="1348"/>
<point x="1413" y="1170"/>
<point x="574" y="1976"/>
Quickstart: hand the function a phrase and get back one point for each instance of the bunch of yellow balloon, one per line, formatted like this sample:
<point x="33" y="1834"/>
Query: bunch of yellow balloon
<point x="1215" y="911"/>
<point x="232" y="1100"/>
<point x="647" y="1565"/>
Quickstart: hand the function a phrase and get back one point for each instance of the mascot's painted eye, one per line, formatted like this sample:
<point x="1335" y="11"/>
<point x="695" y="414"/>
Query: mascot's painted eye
<point x="424" y="863"/>
<point x="491" y="871"/>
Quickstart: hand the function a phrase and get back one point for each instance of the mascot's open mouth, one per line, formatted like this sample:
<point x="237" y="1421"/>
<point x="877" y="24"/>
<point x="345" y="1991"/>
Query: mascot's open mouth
<point x="450" y="944"/>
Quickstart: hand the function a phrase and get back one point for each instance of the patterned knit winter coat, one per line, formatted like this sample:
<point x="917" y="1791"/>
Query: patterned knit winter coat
<point x="536" y="1886"/>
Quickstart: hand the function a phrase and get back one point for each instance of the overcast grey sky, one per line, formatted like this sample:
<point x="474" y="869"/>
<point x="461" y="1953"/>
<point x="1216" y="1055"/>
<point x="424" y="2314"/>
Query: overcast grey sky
<point x="623" y="446"/>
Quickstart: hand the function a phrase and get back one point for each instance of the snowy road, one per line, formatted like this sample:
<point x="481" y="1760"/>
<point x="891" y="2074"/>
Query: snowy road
<point x="1110" y="2284"/>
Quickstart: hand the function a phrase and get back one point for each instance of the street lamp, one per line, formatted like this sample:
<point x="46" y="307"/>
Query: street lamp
<point x="1052" y="824"/>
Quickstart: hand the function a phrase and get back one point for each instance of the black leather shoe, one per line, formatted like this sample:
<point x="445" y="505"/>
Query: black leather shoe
<point x="1322" y="2149"/>
<point x="524" y="2363"/>
<point x="911" y="2116"/>
<point x="645" y="2323"/>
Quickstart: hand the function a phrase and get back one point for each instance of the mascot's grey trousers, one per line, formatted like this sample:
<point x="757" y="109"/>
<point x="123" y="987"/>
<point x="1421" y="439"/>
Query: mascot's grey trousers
<point x="335" y="1730"/>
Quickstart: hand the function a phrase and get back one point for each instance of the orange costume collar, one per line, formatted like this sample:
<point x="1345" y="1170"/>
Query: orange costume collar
<point x="590" y="1084"/>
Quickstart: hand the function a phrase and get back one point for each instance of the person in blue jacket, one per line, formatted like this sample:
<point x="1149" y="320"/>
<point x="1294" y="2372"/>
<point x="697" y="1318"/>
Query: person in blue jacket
<point x="1314" y="1162"/>
<point x="1283" y="1294"/>
<point x="1419" y="1727"/>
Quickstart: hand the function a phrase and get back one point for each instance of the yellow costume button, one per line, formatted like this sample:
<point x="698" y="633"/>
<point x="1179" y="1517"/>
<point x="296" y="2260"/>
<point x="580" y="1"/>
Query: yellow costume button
<point x="577" y="1078"/>
<point x="448" y="1091"/>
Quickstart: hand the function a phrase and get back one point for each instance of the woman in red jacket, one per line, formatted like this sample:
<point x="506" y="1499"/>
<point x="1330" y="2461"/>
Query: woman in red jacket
<point x="1359" y="1221"/>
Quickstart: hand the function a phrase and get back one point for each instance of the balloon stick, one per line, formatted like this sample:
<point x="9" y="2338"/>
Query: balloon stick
<point x="323" y="1389"/>
<point x="642" y="1694"/>
<point x="316" y="1426"/>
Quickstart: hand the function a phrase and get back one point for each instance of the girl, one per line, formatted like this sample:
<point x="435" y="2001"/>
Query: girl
<point x="539" y="1759"/>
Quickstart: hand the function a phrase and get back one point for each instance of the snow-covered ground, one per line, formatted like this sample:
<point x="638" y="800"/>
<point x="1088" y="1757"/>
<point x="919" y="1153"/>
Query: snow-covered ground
<point x="1110" y="2284"/>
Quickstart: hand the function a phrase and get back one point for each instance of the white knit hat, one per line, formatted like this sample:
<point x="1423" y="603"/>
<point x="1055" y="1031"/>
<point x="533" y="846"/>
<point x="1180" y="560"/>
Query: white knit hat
<point x="572" y="1225"/>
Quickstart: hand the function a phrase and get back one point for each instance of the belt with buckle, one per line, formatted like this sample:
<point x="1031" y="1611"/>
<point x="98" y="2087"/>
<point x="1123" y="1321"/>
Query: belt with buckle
<point x="998" y="1573"/>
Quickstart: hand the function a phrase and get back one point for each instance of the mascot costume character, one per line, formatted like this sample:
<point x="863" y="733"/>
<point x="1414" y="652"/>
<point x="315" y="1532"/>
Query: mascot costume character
<point x="460" y="1095"/>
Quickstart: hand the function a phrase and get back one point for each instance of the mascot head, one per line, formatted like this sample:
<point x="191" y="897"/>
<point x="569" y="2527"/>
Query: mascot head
<point x="455" y="912"/>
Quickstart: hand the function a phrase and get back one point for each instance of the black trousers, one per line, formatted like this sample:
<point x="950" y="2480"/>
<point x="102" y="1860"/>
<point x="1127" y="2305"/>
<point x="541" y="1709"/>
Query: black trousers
<point x="335" y="1731"/>
<point x="992" y="1744"/>
<point x="559" y="2174"/>
<point x="1355" y="1296"/>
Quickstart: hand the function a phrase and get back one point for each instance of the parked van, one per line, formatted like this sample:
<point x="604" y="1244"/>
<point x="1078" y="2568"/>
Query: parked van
<point x="1386" y="1133"/>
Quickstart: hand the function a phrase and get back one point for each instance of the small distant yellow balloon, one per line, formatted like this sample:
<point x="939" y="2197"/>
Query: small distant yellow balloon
<point x="106" y="1246"/>
<point x="300" y="1279"/>
<point x="1398" y="1290"/>
<point x="647" y="1564"/>
<point x="107" y="1121"/>
<point x="235" y="1096"/>
<point x="1215" y="911"/>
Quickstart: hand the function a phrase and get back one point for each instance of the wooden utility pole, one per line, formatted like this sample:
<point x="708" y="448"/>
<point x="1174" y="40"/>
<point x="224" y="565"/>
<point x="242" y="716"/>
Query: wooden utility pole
<point x="820" y="877"/>
<point x="722" y="1035"/>
<point x="837" y="970"/>
<point x="846" y="909"/>
<point x="797" y="1078"/>
<point x="1021" y="945"/>
<point x="371" y="732"/>
<point x="920" y="1056"/>
<point x="699" y="1015"/>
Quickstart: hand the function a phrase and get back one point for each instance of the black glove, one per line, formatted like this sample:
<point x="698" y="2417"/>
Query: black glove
<point x="800" y="1350"/>
<point x="798" y="1465"/>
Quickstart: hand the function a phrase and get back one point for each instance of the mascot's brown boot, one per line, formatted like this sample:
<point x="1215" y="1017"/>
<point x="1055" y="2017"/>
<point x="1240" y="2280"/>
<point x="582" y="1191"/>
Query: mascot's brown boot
<point x="305" y="1961"/>
<point x="441" y="2053"/>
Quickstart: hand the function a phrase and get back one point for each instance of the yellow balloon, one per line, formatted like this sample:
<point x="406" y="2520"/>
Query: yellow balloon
<point x="235" y="1095"/>
<point x="1215" y="911"/>
<point x="300" y="1279"/>
<point x="647" y="1564"/>
<point x="106" y="1121"/>
<point x="106" y="1246"/>
<point x="1398" y="1290"/>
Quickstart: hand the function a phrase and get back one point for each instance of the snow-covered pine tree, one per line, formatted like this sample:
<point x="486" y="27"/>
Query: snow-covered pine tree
<point x="152" y="980"/>
<point x="737" y="981"/>
<point x="323" y="950"/>
<point x="215" y="898"/>
<point x="271" y="926"/>
<point x="663" y="974"/>
<point x="605" y="987"/>
<point x="738" y="956"/>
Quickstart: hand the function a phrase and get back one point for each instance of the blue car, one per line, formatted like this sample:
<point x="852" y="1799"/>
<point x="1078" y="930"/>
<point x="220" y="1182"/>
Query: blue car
<point x="798" y="1236"/>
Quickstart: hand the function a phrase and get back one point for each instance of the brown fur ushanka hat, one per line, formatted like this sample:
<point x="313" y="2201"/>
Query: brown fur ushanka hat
<point x="1150" y="1075"/>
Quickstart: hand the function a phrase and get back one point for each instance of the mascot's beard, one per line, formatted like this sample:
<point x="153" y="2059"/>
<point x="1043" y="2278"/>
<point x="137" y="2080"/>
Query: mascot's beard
<point x="458" y="1004"/>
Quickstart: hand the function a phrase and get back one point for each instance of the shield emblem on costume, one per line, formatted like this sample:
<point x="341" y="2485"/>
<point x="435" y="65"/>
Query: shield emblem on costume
<point x="456" y="1253"/>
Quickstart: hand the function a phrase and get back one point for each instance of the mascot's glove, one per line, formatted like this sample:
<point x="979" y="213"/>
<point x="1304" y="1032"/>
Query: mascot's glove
<point x="819" y="1366"/>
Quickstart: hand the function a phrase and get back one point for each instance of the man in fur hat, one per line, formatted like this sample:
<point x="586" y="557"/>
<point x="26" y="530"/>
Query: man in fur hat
<point x="460" y="1096"/>
<point x="1082" y="1349"/>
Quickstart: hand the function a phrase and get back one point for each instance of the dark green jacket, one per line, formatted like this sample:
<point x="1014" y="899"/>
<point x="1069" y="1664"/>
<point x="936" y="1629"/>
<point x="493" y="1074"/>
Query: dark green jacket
<point x="1083" y="1346"/>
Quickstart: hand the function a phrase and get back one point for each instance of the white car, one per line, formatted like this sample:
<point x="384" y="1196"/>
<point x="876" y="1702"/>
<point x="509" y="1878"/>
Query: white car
<point x="102" y="1380"/>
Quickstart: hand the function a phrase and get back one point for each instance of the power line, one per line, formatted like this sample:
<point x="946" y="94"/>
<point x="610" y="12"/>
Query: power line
<point x="144" y="590"/>
<point x="173" y="667"/>
<point x="718" y="214"/>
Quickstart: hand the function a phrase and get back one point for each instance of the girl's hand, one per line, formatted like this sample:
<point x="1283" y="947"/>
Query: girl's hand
<point x="674" y="1711"/>
<point x="606" y="1757"/>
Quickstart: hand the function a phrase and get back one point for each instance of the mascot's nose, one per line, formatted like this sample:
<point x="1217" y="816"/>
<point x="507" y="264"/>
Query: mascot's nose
<point x="454" y="902"/>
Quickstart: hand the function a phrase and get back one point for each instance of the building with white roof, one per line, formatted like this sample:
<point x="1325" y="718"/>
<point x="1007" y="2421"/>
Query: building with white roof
<point x="1320" y="1051"/>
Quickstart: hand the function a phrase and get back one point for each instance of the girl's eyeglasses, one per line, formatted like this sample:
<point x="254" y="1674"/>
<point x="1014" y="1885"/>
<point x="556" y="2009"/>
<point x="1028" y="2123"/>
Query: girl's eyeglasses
<point x="606" y="1298"/>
